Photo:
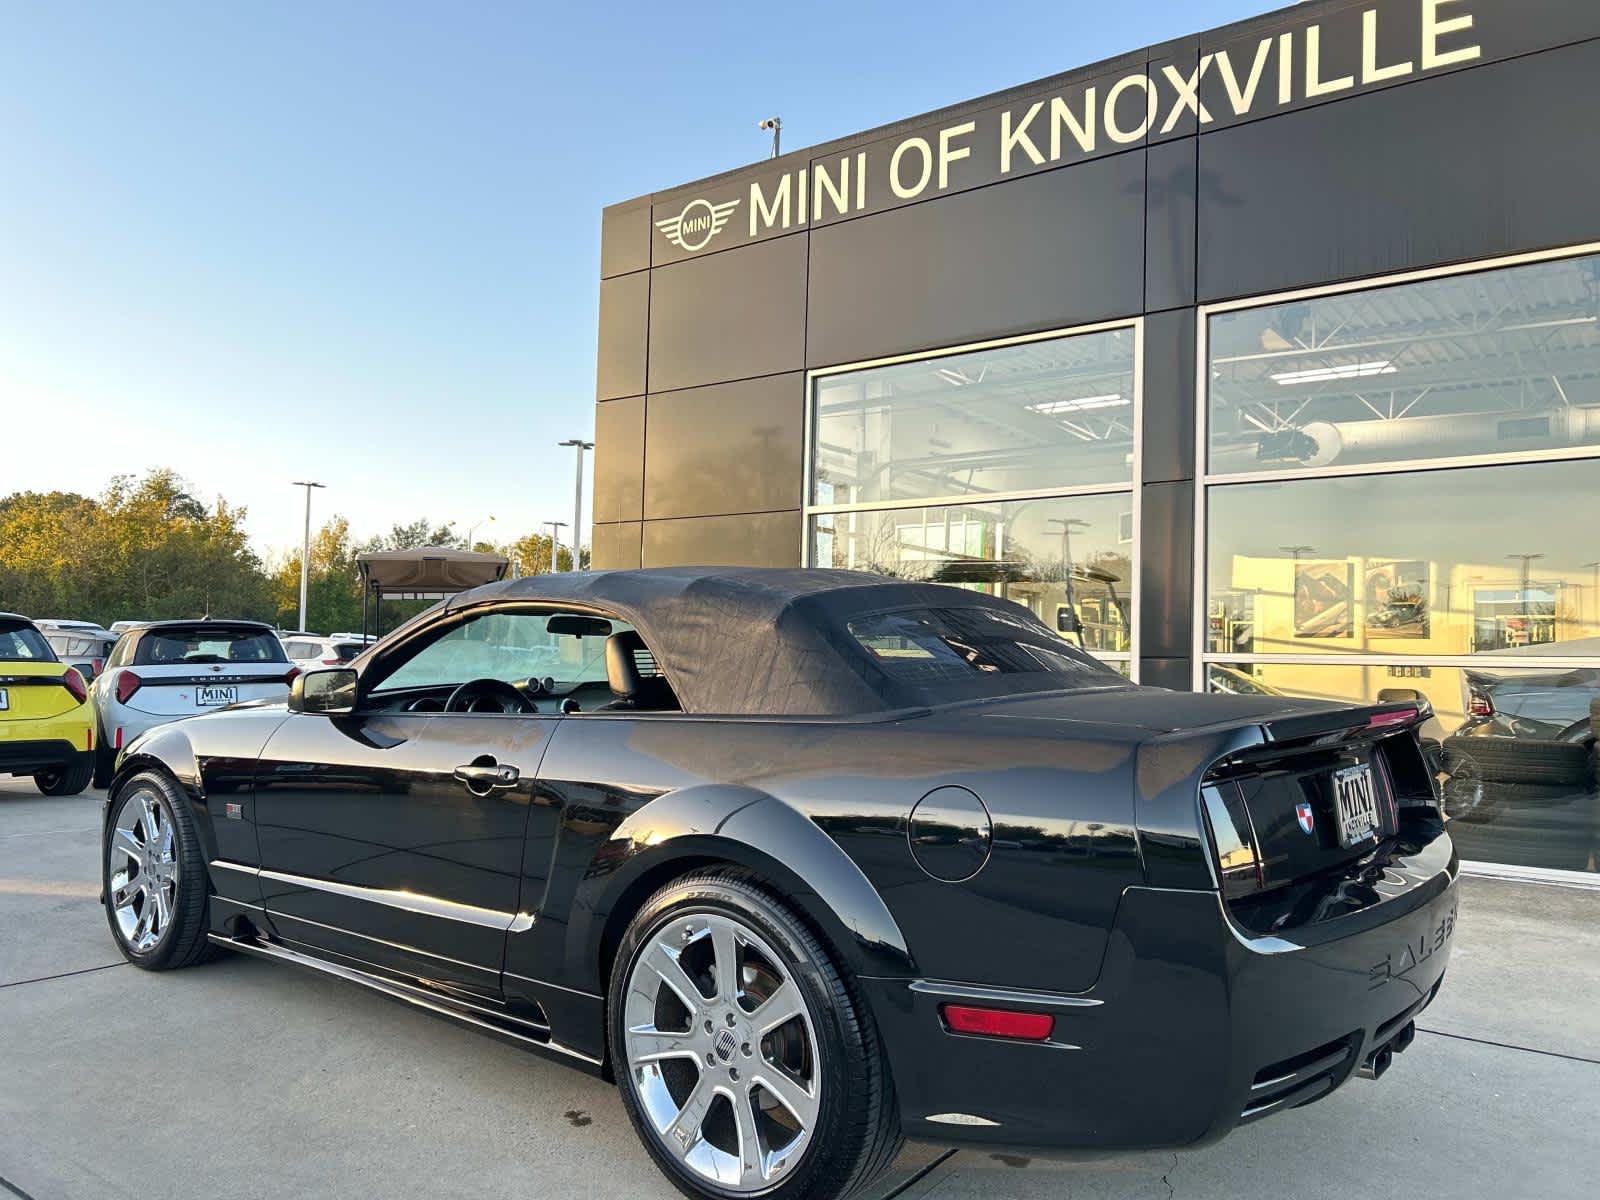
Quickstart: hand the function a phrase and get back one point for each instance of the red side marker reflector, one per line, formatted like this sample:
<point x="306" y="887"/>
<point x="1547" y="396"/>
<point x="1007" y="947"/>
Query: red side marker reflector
<point x="1398" y="717"/>
<point x="998" y="1022"/>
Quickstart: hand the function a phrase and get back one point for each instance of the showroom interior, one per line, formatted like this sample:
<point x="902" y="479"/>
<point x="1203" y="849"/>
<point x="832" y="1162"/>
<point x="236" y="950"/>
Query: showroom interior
<point x="1261" y="361"/>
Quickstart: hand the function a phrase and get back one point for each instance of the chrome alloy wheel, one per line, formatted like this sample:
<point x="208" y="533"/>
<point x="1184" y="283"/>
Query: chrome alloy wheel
<point x="143" y="872"/>
<point x="722" y="1051"/>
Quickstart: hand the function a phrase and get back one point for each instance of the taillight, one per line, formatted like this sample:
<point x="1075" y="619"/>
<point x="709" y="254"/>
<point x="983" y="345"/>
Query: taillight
<point x="332" y="662"/>
<point x="127" y="684"/>
<point x="1480" y="705"/>
<point x="293" y="671"/>
<point x="998" y="1022"/>
<point x="73" y="682"/>
<point x="99" y="665"/>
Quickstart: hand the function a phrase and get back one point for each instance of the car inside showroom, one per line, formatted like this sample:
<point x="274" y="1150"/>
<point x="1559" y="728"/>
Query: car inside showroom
<point x="1265" y="361"/>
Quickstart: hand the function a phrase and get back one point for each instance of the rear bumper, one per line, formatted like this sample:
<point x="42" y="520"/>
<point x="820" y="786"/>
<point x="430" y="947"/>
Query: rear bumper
<point x="1193" y="1027"/>
<point x="47" y="754"/>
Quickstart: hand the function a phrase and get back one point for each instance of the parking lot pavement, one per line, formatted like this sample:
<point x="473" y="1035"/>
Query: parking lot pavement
<point x="246" y="1079"/>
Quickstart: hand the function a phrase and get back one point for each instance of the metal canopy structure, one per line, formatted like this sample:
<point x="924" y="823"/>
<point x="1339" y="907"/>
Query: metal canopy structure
<point x="424" y="573"/>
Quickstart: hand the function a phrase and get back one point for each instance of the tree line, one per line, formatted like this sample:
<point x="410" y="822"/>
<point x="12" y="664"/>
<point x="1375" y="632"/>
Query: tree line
<point x="149" y="548"/>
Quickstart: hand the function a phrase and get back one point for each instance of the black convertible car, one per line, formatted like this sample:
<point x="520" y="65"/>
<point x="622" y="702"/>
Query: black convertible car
<point x="810" y="861"/>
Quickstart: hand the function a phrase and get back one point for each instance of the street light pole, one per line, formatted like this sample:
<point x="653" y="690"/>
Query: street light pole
<point x="577" y="501"/>
<point x="305" y="548"/>
<point x="555" y="528"/>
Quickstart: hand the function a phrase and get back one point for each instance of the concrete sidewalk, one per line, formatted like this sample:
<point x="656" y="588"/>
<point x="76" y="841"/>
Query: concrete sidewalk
<point x="245" y="1079"/>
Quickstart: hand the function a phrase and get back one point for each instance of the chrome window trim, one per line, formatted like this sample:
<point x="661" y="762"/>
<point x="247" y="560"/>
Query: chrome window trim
<point x="1133" y="488"/>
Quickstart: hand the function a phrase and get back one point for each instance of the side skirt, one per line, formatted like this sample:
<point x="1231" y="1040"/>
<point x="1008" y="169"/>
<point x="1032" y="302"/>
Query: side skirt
<point x="525" y="1035"/>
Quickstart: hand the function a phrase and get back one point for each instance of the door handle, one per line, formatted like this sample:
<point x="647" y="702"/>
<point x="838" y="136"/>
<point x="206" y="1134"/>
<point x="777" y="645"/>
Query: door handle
<point x="488" y="775"/>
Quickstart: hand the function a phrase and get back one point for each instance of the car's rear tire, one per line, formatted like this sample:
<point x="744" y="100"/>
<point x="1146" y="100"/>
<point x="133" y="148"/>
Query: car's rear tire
<point x="68" y="781"/>
<point x="157" y="890"/>
<point x="804" y="1108"/>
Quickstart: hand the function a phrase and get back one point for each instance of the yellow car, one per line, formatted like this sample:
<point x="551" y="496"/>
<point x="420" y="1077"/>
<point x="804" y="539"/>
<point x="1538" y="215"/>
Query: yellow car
<point x="46" y="729"/>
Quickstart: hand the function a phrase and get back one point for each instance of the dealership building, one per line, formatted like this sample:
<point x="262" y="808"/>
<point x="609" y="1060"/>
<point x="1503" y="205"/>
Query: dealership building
<point x="1262" y="360"/>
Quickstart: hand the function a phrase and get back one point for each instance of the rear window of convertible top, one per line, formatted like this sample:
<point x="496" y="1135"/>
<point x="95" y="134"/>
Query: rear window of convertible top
<point x="205" y="644"/>
<point x="924" y="646"/>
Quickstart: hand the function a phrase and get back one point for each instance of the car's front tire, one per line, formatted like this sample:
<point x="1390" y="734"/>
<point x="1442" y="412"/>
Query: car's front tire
<point x="67" y="781"/>
<point x="746" y="1061"/>
<point x="157" y="890"/>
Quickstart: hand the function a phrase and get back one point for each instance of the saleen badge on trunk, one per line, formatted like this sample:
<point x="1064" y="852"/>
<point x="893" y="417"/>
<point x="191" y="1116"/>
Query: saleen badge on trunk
<point x="1307" y="819"/>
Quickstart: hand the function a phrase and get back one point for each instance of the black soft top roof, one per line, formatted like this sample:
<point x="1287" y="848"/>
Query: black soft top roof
<point x="761" y="640"/>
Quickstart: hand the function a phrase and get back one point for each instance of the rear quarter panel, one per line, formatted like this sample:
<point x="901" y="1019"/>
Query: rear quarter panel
<point x="1037" y="915"/>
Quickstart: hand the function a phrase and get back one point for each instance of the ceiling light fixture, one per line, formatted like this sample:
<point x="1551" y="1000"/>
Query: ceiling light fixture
<point x="1325" y="374"/>
<point x="1052" y="408"/>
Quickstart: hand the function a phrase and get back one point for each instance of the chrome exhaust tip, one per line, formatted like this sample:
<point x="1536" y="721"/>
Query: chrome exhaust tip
<point x="1377" y="1063"/>
<point x="1404" y="1038"/>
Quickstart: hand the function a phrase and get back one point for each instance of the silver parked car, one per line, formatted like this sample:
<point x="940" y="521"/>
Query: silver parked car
<point x="81" y="644"/>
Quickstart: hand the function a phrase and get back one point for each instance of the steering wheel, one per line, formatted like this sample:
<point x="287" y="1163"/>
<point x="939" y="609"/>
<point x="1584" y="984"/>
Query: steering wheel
<point x="488" y="696"/>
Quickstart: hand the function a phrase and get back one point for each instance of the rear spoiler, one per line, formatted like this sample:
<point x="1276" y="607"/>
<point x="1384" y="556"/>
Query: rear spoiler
<point x="1343" y="723"/>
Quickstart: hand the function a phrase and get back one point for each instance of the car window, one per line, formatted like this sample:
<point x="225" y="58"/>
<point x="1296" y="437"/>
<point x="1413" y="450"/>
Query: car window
<point x="302" y="649"/>
<point x="206" y="644"/>
<point x="511" y="646"/>
<point x="949" y="653"/>
<point x="23" y="643"/>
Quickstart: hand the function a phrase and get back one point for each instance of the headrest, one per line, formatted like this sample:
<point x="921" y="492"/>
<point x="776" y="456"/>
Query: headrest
<point x="622" y="664"/>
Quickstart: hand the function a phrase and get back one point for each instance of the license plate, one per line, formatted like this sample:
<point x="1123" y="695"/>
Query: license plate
<point x="5" y="699"/>
<point x="210" y="696"/>
<point x="1357" y="805"/>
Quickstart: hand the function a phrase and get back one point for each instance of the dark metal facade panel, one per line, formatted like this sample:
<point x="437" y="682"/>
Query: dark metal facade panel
<point x="729" y="316"/>
<point x="1167" y="451"/>
<point x="1166" y="569"/>
<point x="1049" y="251"/>
<point x="747" y="540"/>
<point x="616" y="546"/>
<point x="1499" y="160"/>
<point x="1169" y="227"/>
<point x="619" y="459"/>
<point x="625" y="238"/>
<point x="726" y="448"/>
<point x="624" y="323"/>
<point x="1174" y="673"/>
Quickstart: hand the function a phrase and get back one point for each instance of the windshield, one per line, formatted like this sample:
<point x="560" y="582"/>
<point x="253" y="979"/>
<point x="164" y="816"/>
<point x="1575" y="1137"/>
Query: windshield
<point x="512" y="646"/>
<point x="207" y="644"/>
<point x="943" y="654"/>
<point x="23" y="643"/>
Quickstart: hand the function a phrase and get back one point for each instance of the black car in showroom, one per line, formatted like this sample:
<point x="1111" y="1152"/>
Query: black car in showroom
<point x="811" y="861"/>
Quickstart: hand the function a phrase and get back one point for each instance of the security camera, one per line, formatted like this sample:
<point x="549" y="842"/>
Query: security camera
<point x="770" y="123"/>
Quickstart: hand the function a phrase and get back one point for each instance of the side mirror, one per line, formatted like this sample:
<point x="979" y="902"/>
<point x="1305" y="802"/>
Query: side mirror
<point x="332" y="691"/>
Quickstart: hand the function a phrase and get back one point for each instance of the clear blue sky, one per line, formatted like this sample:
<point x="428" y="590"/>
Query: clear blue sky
<point x="360" y="242"/>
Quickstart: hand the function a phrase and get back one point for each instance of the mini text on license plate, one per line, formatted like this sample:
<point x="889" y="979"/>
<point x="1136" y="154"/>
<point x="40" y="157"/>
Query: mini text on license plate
<point x="211" y="695"/>
<point x="1356" y="803"/>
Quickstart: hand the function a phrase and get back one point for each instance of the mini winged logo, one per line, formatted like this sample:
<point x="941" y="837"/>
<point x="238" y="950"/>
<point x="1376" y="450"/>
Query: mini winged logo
<point x="697" y="224"/>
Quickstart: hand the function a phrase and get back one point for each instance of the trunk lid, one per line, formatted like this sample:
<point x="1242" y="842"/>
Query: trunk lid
<point x="34" y="691"/>
<point x="181" y="689"/>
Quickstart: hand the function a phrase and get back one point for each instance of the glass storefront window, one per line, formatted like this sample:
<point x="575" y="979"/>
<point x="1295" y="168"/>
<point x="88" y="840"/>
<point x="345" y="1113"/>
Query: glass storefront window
<point x="1495" y="362"/>
<point x="1475" y="560"/>
<point x="1019" y="418"/>
<point x="1069" y="560"/>
<point x="1513" y="747"/>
